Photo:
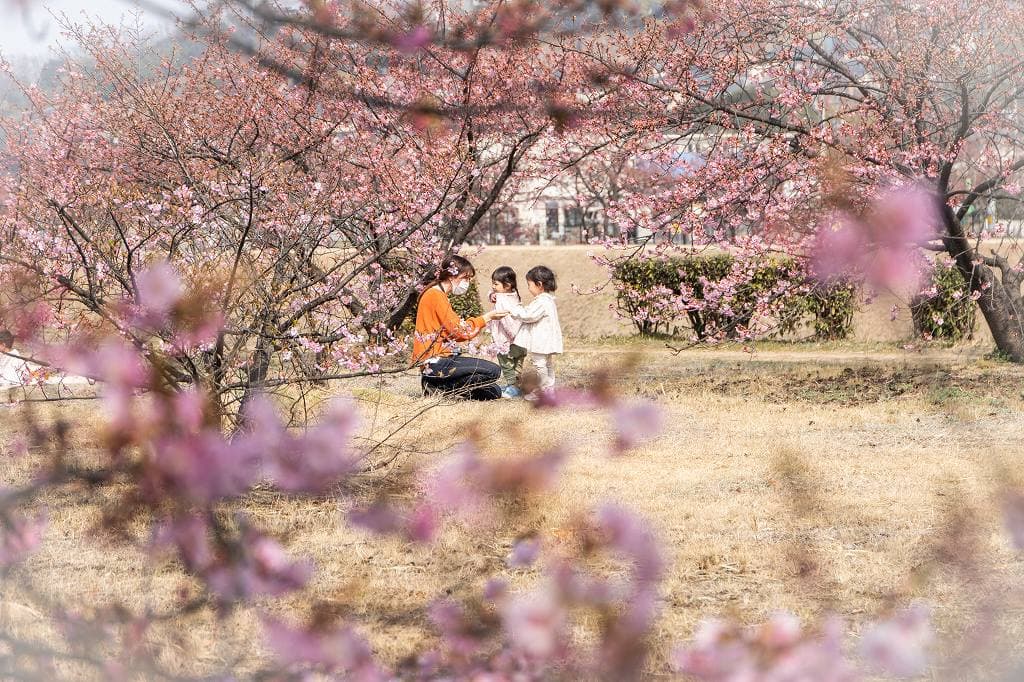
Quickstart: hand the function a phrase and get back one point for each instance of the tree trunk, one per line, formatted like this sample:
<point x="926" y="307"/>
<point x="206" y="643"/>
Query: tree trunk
<point x="403" y="311"/>
<point x="1002" y="316"/>
<point x="255" y="375"/>
<point x="1000" y="306"/>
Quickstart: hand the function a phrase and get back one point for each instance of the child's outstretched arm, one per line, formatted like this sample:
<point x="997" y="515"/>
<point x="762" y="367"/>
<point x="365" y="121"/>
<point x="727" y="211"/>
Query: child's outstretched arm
<point x="531" y="313"/>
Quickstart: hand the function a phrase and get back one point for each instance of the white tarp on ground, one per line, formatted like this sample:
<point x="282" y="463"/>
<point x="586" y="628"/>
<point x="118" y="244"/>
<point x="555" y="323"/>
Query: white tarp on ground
<point x="16" y="372"/>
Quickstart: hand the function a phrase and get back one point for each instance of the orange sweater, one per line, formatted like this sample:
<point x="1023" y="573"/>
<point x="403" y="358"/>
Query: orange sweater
<point x="437" y="325"/>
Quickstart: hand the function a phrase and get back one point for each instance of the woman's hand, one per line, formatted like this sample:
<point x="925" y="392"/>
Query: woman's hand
<point x="495" y="315"/>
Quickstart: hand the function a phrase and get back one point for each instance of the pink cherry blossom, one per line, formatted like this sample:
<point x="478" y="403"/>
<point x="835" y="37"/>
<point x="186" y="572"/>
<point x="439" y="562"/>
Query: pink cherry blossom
<point x="626" y="533"/>
<point x="260" y="568"/>
<point x="115" y="363"/>
<point x="466" y="482"/>
<point x="777" y="650"/>
<point x="20" y="536"/>
<point x="422" y="525"/>
<point x="1013" y="516"/>
<point x="338" y="650"/>
<point x="899" y="646"/>
<point x="635" y="423"/>
<point x="311" y="462"/>
<point x="190" y="536"/>
<point x="412" y="41"/>
<point x="535" y="622"/>
<point x="902" y="216"/>
<point x="202" y="467"/>
<point x="382" y="518"/>
<point x="881" y="246"/>
<point x="524" y="553"/>
<point x="159" y="290"/>
<point x="455" y="627"/>
<point x="495" y="589"/>
<point x="201" y="333"/>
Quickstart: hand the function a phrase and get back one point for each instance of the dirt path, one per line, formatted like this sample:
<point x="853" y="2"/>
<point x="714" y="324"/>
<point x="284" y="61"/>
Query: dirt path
<point x="841" y="376"/>
<point x="825" y="357"/>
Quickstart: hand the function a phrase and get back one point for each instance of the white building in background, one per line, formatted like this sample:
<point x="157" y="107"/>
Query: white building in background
<point x="545" y="215"/>
<point x="556" y="217"/>
<point x="566" y="210"/>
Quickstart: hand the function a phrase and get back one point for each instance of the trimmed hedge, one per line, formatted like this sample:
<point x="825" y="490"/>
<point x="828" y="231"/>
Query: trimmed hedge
<point x="832" y="306"/>
<point x="949" y="313"/>
<point x="647" y="286"/>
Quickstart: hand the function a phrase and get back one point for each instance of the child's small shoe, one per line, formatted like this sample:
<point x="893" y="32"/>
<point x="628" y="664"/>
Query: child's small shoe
<point x="511" y="392"/>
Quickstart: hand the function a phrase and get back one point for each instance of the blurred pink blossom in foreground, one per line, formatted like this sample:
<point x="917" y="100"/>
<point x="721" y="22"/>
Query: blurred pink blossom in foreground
<point x="1013" y="505"/>
<point x="633" y="422"/>
<point x="881" y="246"/>
<point x="899" y="646"/>
<point x="20" y="536"/>
<point x="413" y="40"/>
<point x="535" y="623"/>
<point x="189" y="467"/>
<point x="780" y="649"/>
<point x="334" y="649"/>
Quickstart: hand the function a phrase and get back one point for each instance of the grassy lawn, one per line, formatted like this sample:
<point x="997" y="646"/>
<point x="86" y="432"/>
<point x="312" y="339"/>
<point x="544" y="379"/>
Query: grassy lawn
<point x="831" y="479"/>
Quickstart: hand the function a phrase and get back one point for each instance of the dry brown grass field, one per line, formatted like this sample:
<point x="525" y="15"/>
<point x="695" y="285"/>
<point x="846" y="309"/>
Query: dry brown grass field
<point x="842" y="480"/>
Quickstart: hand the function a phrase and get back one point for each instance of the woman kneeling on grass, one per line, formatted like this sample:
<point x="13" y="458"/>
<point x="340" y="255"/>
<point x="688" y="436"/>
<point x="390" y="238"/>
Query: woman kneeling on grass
<point x="438" y="328"/>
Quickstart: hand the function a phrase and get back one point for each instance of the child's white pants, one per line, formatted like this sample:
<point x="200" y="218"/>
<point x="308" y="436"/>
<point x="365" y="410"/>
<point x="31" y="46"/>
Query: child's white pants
<point x="544" y="363"/>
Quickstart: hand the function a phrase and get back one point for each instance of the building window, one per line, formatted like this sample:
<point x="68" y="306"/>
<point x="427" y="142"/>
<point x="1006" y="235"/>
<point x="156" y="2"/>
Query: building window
<point x="552" y="216"/>
<point x="573" y="217"/>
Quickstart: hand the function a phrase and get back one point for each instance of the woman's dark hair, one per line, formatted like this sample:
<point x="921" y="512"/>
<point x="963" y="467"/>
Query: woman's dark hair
<point x="543" y="276"/>
<point x="507" y="276"/>
<point x="451" y="267"/>
<point x="6" y="339"/>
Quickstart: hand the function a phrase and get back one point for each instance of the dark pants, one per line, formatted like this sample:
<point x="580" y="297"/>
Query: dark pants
<point x="462" y="377"/>
<point x="511" y="364"/>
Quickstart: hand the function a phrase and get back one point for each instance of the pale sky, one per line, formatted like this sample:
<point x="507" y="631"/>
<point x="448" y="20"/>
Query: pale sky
<point x="35" y="33"/>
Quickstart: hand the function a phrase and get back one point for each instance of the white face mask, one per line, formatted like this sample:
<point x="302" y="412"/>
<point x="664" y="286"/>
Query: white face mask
<point x="460" y="288"/>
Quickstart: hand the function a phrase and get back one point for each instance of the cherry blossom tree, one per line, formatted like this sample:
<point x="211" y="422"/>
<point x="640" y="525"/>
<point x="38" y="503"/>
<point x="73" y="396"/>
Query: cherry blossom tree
<point x="308" y="177"/>
<point x="808" y="116"/>
<point x="304" y="220"/>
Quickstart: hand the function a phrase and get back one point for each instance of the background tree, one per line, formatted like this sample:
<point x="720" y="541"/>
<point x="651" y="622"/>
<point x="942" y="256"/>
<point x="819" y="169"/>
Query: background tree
<point x="308" y="219"/>
<point x="811" y="108"/>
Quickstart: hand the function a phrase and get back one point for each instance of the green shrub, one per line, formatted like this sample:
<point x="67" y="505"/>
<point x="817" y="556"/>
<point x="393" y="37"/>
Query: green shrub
<point x="693" y="272"/>
<point x="832" y="307"/>
<point x="946" y="310"/>
<point x="649" y="292"/>
<point x="642" y="285"/>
